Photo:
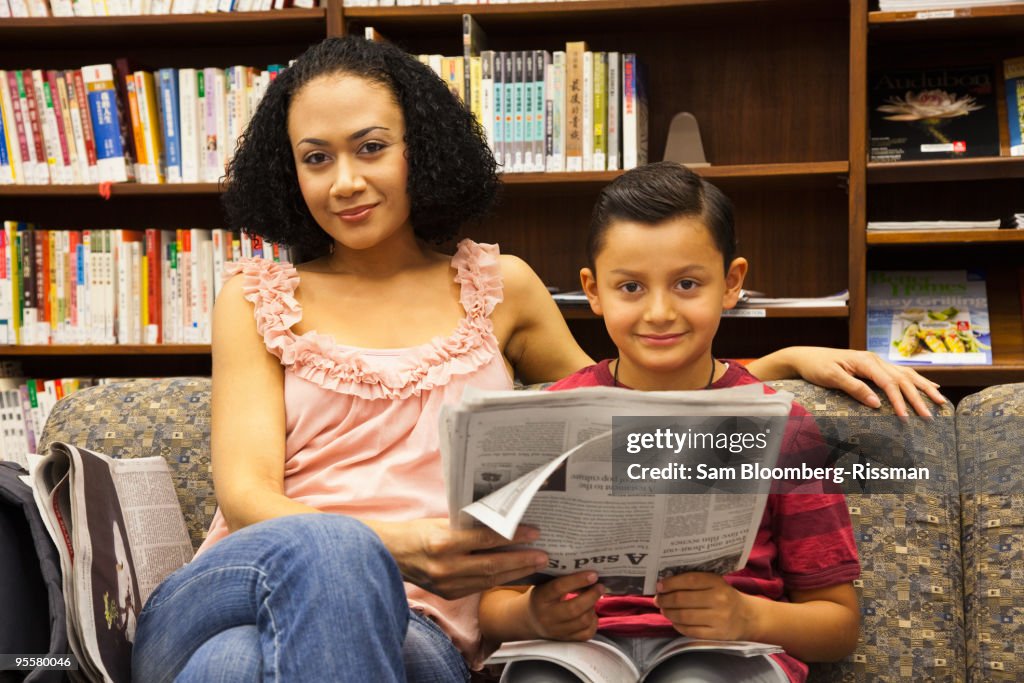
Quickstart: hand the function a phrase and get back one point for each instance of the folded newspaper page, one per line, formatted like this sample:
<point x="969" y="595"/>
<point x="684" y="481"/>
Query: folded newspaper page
<point x="590" y="467"/>
<point x="119" y="531"/>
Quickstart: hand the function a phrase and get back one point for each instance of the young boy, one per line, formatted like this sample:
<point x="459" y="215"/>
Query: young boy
<point x="662" y="267"/>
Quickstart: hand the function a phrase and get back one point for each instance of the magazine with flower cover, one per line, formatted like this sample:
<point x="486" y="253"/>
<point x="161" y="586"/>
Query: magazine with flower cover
<point x="933" y="113"/>
<point x="929" y="317"/>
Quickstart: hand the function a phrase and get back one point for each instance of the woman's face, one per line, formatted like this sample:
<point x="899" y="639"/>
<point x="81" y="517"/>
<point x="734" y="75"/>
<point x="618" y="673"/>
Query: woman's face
<point x="347" y="136"/>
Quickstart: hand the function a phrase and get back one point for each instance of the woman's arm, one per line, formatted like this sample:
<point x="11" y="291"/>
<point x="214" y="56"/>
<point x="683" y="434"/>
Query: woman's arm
<point x="540" y="346"/>
<point x="247" y="437"/>
<point x="840" y="368"/>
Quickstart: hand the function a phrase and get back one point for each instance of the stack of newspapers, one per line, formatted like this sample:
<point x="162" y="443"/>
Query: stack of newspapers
<point x="918" y="5"/>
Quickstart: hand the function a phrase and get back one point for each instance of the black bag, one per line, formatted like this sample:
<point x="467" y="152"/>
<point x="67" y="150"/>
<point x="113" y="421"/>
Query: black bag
<point x="34" y="621"/>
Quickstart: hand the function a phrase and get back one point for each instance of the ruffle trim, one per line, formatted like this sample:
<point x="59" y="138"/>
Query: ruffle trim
<point x="372" y="373"/>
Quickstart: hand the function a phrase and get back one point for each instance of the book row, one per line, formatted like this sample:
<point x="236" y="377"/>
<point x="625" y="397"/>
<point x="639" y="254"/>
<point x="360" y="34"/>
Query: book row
<point x="419" y="3"/>
<point x="568" y="110"/>
<point x="945" y="112"/>
<point x="25" y="404"/>
<point x="110" y="8"/>
<point x="110" y="123"/>
<point x="115" y="286"/>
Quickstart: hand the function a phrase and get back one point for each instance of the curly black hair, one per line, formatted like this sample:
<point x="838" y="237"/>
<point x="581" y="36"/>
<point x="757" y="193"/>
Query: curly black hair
<point x="452" y="173"/>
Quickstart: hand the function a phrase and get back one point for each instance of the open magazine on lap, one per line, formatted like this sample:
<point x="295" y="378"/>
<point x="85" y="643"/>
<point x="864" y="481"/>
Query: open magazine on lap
<point x="598" y="661"/>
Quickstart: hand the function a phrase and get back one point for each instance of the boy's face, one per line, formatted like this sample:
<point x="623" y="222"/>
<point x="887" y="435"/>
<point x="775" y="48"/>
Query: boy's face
<point x="661" y="290"/>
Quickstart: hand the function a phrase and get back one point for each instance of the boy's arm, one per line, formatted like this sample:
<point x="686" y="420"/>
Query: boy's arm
<point x="840" y="368"/>
<point x="820" y="624"/>
<point x="527" y="612"/>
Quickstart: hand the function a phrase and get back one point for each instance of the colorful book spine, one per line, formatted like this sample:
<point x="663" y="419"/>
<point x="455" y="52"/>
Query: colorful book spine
<point x="101" y="93"/>
<point x="518" y="110"/>
<point x="614" y="111"/>
<point x="541" y="59"/>
<point x="487" y="98"/>
<point x="574" y="105"/>
<point x="1013" y="71"/>
<point x="170" y="123"/>
<point x="82" y="99"/>
<point x="600" y="111"/>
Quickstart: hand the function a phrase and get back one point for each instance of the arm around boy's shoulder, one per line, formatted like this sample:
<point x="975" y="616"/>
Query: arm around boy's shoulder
<point x="538" y="343"/>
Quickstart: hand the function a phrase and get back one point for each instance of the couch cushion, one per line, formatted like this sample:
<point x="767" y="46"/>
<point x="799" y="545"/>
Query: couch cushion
<point x="168" y="417"/>
<point x="909" y="542"/>
<point x="990" y="439"/>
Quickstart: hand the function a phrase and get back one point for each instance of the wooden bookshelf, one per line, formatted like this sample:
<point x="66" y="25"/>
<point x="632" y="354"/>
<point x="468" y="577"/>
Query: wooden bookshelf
<point x="583" y="312"/>
<point x="946" y="170"/>
<point x="107" y="350"/>
<point x="945" y="236"/>
<point x="987" y="22"/>
<point x="793" y="159"/>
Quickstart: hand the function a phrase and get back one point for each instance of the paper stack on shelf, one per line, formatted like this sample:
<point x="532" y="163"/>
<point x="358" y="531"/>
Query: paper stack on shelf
<point x="913" y="5"/>
<point x="753" y="299"/>
<point x="934" y="225"/>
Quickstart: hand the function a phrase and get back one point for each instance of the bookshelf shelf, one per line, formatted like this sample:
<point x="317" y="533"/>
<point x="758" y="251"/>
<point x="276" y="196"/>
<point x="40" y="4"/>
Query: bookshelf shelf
<point x="116" y="190"/>
<point x="966" y="22"/>
<point x="826" y="170"/>
<point x="276" y="26"/>
<point x="107" y="350"/>
<point x="580" y="312"/>
<point x="945" y="237"/>
<point x="946" y="170"/>
<point x="815" y="170"/>
<point x="583" y="15"/>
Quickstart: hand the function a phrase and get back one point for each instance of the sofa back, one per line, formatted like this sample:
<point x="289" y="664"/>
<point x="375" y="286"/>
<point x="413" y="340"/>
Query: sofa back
<point x="990" y="441"/>
<point x="168" y="417"/>
<point x="911" y="587"/>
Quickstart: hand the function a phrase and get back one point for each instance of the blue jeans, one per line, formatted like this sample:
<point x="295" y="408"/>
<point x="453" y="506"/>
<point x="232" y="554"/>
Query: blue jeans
<point x="303" y="598"/>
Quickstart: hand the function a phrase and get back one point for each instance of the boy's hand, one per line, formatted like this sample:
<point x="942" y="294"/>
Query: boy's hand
<point x="703" y="605"/>
<point x="553" y="617"/>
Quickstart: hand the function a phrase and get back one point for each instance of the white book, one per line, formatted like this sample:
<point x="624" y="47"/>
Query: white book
<point x="634" y="114"/>
<point x="19" y="9"/>
<point x="135" y="308"/>
<point x="487" y="96"/>
<point x="588" y="111"/>
<point x="83" y="8"/>
<point x="188" y="113"/>
<point x="47" y="128"/>
<point x="62" y="8"/>
<point x="5" y="9"/>
<point x="84" y="173"/>
<point x="205" y="279"/>
<point x="614" y="111"/>
<point x="557" y="163"/>
<point x="183" y="6"/>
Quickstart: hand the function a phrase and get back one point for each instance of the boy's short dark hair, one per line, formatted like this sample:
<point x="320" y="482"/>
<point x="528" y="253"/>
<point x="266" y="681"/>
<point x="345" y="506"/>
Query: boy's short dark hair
<point x="452" y="173"/>
<point x="656" y="192"/>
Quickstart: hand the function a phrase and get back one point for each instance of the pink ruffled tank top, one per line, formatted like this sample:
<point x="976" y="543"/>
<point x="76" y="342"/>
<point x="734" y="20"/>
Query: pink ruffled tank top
<point x="362" y="424"/>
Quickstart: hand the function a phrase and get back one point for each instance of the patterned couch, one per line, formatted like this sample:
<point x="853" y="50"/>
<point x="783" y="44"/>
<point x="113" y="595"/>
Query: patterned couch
<point x="942" y="587"/>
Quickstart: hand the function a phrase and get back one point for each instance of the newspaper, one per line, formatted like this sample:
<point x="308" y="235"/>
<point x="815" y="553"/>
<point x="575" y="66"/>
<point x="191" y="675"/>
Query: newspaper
<point x="544" y="459"/>
<point x="119" y="531"/>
